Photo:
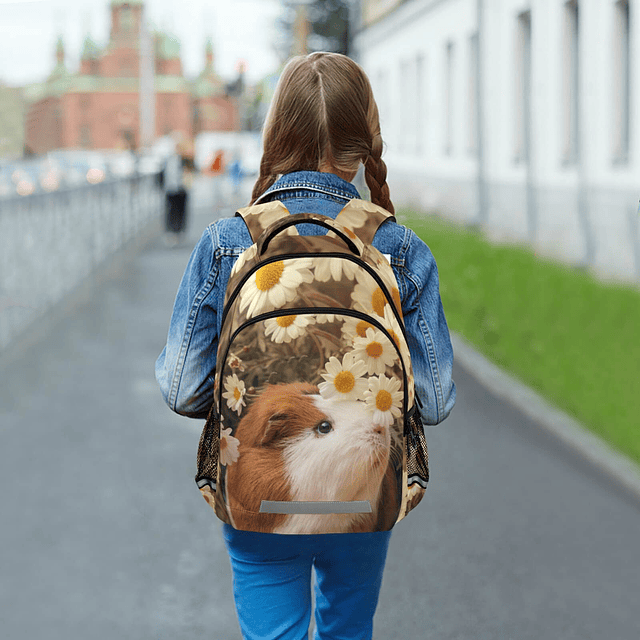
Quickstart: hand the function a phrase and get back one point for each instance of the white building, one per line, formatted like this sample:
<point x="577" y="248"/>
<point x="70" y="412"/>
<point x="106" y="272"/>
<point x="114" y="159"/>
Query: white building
<point x="519" y="115"/>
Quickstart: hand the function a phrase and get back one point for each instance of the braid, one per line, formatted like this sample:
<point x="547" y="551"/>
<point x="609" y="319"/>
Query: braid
<point x="264" y="181"/>
<point x="376" y="176"/>
<point x="323" y="116"/>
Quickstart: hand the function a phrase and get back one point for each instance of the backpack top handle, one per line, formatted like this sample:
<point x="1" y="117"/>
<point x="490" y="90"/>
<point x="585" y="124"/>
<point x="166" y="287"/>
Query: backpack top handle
<point x="354" y="244"/>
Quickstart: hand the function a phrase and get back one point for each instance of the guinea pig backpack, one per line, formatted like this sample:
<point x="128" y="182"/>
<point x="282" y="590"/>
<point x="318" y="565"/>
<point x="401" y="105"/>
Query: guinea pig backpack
<point x="313" y="427"/>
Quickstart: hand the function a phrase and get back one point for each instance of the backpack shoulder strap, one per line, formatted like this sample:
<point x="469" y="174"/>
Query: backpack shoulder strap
<point x="261" y="216"/>
<point x="363" y="218"/>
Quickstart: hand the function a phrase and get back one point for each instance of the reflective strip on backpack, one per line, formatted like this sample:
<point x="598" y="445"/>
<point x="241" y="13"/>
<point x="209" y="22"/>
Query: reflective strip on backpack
<point x="319" y="507"/>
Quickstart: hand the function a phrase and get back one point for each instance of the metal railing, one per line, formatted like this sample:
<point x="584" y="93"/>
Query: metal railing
<point x="49" y="243"/>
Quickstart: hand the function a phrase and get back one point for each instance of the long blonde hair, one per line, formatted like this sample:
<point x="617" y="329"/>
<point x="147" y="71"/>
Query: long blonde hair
<point x="323" y="114"/>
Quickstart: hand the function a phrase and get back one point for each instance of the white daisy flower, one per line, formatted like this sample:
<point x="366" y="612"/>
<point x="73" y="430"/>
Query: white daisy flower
<point x="343" y="380"/>
<point x="375" y="351"/>
<point x="249" y="254"/>
<point x="355" y="328"/>
<point x="395" y="331"/>
<point x="369" y="297"/>
<point x="335" y="268"/>
<point x="286" y="328"/>
<point x="323" y="318"/>
<point x="384" y="399"/>
<point x="390" y="323"/>
<point x="234" y="394"/>
<point x="274" y="284"/>
<point x="228" y="447"/>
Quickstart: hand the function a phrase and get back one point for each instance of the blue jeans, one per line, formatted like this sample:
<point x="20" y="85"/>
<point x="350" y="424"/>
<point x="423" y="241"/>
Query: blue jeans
<point x="272" y="583"/>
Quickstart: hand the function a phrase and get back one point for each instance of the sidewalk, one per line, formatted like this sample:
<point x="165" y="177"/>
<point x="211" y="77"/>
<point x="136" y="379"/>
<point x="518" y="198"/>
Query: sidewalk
<point x="570" y="432"/>
<point x="105" y="535"/>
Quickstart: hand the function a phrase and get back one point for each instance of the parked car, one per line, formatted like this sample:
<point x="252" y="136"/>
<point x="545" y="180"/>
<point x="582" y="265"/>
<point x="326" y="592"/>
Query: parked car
<point x="75" y="172"/>
<point x="25" y="179"/>
<point x="121" y="164"/>
<point x="80" y="167"/>
<point x="98" y="170"/>
<point x="50" y="175"/>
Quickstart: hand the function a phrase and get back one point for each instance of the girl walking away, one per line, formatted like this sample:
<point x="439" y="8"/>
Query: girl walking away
<point x="322" y="125"/>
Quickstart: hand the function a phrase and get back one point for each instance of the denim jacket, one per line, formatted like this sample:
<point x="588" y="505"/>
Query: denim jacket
<point x="185" y="369"/>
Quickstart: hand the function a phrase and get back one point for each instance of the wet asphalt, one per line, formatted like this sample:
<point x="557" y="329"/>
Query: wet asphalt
<point x="104" y="535"/>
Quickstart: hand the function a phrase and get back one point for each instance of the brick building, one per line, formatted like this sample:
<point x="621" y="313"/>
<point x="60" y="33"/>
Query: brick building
<point x="99" y="106"/>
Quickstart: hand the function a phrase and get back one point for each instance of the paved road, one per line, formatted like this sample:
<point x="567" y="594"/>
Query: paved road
<point x="103" y="534"/>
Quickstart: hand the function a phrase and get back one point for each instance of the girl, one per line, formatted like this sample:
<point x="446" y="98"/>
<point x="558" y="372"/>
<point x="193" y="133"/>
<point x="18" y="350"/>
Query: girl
<point x="323" y="123"/>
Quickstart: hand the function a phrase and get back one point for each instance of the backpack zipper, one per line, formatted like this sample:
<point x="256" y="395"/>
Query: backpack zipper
<point x="346" y="256"/>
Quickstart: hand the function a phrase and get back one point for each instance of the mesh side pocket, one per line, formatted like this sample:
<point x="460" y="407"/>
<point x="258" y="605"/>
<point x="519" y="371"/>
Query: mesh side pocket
<point x="417" y="452"/>
<point x="208" y="450"/>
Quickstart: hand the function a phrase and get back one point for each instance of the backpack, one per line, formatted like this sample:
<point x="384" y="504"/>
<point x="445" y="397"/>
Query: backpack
<point x="313" y="426"/>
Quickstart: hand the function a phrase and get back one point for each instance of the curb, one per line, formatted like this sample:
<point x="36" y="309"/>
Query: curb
<point x="577" y="437"/>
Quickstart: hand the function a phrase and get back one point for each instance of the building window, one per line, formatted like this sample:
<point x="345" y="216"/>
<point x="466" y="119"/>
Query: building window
<point x="419" y="106"/>
<point x="522" y="84"/>
<point x="381" y="93"/>
<point x="621" y="83"/>
<point x="127" y="69"/>
<point x="448" y="97"/>
<point x="571" y="83"/>
<point x="472" y="98"/>
<point x="405" y="96"/>
<point x="410" y="105"/>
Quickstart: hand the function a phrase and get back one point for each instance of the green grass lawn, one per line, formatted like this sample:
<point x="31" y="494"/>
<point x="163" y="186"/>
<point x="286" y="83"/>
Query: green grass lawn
<point x="572" y="338"/>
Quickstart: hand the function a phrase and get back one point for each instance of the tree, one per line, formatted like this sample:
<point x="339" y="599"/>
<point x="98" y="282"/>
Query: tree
<point x="329" y="25"/>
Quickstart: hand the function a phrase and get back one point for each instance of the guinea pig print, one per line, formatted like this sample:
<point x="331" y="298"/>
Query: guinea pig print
<point x="311" y="402"/>
<point x="297" y="447"/>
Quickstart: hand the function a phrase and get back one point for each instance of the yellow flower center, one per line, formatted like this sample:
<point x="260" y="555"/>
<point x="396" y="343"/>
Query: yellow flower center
<point x="378" y="301"/>
<point x="361" y="328"/>
<point x="237" y="394"/>
<point x="344" y="382"/>
<point x="268" y="276"/>
<point x="374" y="349"/>
<point x="384" y="401"/>
<point x="223" y="444"/>
<point x="285" y="321"/>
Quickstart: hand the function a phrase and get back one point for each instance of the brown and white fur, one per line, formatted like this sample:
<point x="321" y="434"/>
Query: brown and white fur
<point x="284" y="457"/>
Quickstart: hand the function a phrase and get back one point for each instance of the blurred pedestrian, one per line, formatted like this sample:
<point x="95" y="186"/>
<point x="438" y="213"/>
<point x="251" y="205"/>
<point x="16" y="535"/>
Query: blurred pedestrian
<point x="236" y="174"/>
<point x="322" y="125"/>
<point x="217" y="163"/>
<point x="178" y="173"/>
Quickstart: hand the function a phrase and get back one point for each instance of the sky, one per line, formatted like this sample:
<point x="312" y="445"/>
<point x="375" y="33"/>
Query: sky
<point x="240" y="30"/>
